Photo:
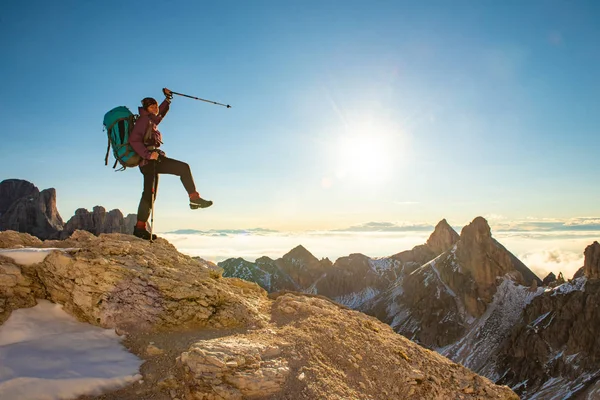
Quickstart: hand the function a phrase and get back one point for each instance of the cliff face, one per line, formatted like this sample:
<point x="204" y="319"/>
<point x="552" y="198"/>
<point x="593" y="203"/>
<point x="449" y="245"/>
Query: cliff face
<point x="591" y="266"/>
<point x="24" y="208"/>
<point x="12" y="190"/>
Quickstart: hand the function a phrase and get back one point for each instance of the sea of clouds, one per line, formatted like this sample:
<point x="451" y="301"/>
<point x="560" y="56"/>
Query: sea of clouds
<point x="546" y="249"/>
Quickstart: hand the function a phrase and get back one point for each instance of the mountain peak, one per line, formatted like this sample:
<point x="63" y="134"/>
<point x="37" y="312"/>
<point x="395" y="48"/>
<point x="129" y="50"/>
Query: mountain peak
<point x="442" y="238"/>
<point x="300" y="252"/>
<point x="477" y="230"/>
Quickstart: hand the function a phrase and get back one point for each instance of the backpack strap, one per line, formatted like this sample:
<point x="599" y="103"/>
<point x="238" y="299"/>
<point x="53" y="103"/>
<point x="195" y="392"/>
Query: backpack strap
<point x="149" y="131"/>
<point x="107" y="150"/>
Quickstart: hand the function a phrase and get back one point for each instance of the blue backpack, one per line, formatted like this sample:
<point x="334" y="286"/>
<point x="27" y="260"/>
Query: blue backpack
<point x="118" y="123"/>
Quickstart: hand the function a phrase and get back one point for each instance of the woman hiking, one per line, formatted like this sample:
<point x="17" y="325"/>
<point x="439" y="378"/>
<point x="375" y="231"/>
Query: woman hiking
<point x="145" y="139"/>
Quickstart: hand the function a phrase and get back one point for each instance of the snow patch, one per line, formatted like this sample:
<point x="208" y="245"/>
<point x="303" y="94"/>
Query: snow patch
<point x="46" y="354"/>
<point x="29" y="255"/>
<point x="560" y="388"/>
<point x="382" y="265"/>
<point x="355" y="300"/>
<point x="539" y="319"/>
<point x="571" y="286"/>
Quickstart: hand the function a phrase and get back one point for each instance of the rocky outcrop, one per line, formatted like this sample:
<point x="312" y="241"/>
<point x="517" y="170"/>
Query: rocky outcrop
<point x="28" y="210"/>
<point x="110" y="281"/>
<point x="99" y="221"/>
<point x="317" y="350"/>
<point x="235" y="368"/>
<point x="13" y="239"/>
<point x="591" y="266"/>
<point x="291" y="346"/>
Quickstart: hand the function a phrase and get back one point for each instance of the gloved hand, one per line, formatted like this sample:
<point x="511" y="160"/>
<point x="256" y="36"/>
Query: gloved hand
<point x="168" y="94"/>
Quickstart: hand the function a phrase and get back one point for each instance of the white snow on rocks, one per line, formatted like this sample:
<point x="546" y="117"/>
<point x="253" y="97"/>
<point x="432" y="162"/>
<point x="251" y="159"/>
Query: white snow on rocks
<point x="570" y="286"/>
<point x="355" y="300"/>
<point x="27" y="255"/>
<point x="476" y="348"/>
<point x="46" y="354"/>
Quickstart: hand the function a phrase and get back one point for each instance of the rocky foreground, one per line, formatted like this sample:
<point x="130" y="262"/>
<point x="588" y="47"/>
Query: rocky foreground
<point x="208" y="337"/>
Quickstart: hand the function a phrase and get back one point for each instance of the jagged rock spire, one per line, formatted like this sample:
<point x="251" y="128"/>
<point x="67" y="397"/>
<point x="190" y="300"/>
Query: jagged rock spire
<point x="442" y="238"/>
<point x="486" y="259"/>
<point x="478" y="230"/>
<point x="591" y="265"/>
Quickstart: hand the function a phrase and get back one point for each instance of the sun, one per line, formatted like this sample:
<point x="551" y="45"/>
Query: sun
<point x="363" y="156"/>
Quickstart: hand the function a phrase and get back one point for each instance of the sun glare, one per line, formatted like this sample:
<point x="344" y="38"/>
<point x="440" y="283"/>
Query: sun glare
<point x="363" y="156"/>
<point x="369" y="151"/>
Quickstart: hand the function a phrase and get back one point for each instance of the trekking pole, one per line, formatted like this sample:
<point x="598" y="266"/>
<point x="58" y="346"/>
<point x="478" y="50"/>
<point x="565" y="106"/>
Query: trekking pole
<point x="197" y="98"/>
<point x="153" y="197"/>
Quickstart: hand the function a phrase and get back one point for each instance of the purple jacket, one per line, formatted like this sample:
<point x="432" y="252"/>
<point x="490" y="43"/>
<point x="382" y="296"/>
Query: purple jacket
<point x="147" y="124"/>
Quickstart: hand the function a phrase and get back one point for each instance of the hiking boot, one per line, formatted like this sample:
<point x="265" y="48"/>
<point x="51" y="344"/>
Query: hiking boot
<point x="143" y="233"/>
<point x="199" y="202"/>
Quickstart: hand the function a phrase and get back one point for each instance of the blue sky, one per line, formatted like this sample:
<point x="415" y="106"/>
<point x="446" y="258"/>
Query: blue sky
<point x="344" y="112"/>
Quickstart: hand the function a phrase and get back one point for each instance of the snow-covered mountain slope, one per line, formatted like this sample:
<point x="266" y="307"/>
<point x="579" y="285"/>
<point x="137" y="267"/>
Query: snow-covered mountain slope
<point x="477" y="349"/>
<point x="421" y="306"/>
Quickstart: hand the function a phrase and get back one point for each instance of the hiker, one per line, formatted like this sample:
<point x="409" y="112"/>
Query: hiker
<point x="146" y="139"/>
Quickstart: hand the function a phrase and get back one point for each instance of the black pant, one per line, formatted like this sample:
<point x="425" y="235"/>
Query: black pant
<point x="151" y="171"/>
